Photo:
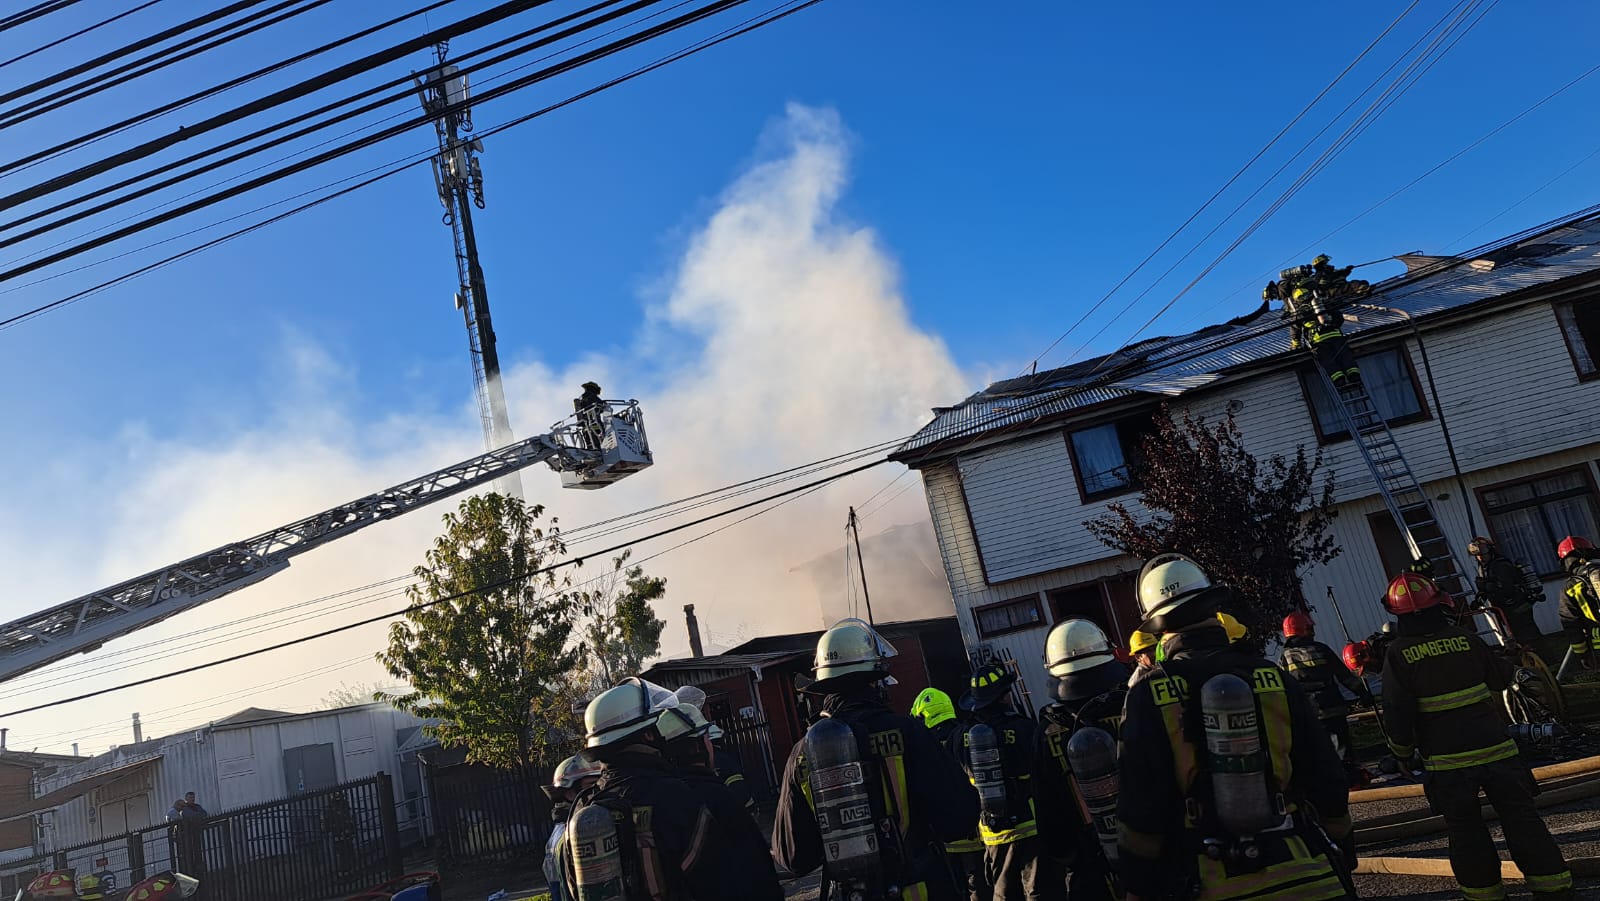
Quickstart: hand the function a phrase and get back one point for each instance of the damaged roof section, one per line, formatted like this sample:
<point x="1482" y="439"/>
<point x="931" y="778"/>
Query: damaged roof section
<point x="1169" y="366"/>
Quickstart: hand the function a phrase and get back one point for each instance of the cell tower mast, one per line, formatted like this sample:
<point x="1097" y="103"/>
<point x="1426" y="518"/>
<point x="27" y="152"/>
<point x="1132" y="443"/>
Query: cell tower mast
<point x="446" y="96"/>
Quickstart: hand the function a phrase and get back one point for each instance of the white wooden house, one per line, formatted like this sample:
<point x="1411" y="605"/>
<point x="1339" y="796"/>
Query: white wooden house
<point x="1511" y="334"/>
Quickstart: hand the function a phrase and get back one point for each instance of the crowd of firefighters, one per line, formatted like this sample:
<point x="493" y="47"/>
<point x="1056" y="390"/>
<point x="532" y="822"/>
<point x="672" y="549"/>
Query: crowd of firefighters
<point x="1184" y="766"/>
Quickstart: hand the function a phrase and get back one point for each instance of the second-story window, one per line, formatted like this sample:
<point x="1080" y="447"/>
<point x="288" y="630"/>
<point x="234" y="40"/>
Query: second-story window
<point x="1580" y="326"/>
<point x="1104" y="456"/>
<point x="1388" y="378"/>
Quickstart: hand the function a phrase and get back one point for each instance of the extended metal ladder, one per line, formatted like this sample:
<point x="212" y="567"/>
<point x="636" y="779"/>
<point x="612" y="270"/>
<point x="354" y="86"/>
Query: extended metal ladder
<point x="1402" y="495"/>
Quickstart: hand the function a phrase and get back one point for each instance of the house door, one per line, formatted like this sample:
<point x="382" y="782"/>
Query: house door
<point x="309" y="768"/>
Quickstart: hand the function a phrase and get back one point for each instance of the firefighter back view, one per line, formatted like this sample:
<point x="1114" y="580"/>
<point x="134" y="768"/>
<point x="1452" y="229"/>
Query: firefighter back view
<point x="965" y="856"/>
<point x="1580" y="599"/>
<point x="1075" y="758"/>
<point x="998" y="753"/>
<point x="1228" y="787"/>
<point x="1439" y="685"/>
<point x="1322" y="673"/>
<point x="868" y="794"/>
<point x="571" y="777"/>
<point x="640" y="834"/>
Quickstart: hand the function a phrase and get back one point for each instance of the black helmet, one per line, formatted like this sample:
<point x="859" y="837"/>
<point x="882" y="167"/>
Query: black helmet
<point x="989" y="684"/>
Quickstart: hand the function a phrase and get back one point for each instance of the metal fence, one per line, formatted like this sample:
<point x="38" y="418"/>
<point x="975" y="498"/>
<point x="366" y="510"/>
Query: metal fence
<point x="482" y="814"/>
<point x="751" y="742"/>
<point x="312" y="846"/>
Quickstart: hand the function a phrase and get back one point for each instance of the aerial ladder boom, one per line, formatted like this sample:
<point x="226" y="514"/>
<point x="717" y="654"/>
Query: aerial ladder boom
<point x="591" y="450"/>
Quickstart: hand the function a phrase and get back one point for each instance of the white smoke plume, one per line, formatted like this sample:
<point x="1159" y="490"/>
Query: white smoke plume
<point x="780" y="338"/>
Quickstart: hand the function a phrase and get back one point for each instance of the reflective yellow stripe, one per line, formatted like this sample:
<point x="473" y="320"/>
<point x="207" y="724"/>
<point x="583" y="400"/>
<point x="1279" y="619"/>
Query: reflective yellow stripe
<point x="1560" y="882"/>
<point x="1268" y="685"/>
<point x="1025" y="829"/>
<point x="1462" y="759"/>
<point x="1454" y="700"/>
<point x="965" y="846"/>
<point x="1168" y="693"/>
<point x="1303" y="880"/>
<point x="1494" y="892"/>
<point x="894" y="777"/>
<point x="918" y="892"/>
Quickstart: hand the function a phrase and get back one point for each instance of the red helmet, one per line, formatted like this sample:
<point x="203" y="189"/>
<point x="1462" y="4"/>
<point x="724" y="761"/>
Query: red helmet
<point x="1357" y="655"/>
<point x="1297" y="623"/>
<point x="1411" y="593"/>
<point x="1572" y="543"/>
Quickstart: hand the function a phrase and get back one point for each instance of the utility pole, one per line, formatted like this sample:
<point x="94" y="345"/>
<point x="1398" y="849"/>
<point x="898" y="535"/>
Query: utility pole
<point x="458" y="177"/>
<point x="856" y="533"/>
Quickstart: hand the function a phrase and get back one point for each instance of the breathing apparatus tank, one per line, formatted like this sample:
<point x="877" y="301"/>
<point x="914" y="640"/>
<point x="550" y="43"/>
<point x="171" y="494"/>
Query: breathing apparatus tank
<point x="1236" y="760"/>
<point x="1092" y="754"/>
<point x="838" y="781"/>
<point x="596" y="855"/>
<point x="983" y="753"/>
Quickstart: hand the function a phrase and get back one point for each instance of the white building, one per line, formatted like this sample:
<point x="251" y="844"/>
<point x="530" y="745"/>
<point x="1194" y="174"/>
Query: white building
<point x="1512" y="333"/>
<point x="252" y="757"/>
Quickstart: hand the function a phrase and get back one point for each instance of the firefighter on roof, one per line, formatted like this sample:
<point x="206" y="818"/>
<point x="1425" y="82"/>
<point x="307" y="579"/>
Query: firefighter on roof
<point x="1439" y="685"/>
<point x="997" y="751"/>
<point x="1580" y="599"/>
<point x="640" y="834"/>
<point x="1228" y="786"/>
<point x="965" y="856"/>
<point x="1075" y="760"/>
<point x="1313" y="300"/>
<point x="1322" y="673"/>
<point x="868" y="794"/>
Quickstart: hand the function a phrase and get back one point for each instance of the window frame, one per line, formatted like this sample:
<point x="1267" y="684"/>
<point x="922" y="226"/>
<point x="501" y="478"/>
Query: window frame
<point x="1556" y="307"/>
<point x="1590" y="489"/>
<point x="1424" y="412"/>
<point x="1038" y="611"/>
<point x="1085" y="497"/>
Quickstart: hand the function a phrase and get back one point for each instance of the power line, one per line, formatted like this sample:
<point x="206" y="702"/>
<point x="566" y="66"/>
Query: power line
<point x="37" y="11"/>
<point x="574" y="561"/>
<point x="750" y="25"/>
<point x="79" y="33"/>
<point x="344" y="149"/>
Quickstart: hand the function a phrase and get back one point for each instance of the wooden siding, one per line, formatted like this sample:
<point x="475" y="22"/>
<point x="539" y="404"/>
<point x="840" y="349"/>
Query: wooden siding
<point x="1009" y="521"/>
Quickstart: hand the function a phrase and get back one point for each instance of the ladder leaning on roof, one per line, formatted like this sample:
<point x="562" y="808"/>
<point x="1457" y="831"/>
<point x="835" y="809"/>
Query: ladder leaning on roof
<point x="1402" y="494"/>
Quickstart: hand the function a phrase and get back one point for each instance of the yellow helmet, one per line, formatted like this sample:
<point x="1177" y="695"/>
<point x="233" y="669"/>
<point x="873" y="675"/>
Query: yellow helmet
<point x="1235" y="629"/>
<point x="1139" y="642"/>
<point x="933" y="707"/>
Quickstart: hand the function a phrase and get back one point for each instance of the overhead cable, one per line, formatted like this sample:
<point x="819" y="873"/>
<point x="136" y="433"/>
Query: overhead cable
<point x="79" y="33"/>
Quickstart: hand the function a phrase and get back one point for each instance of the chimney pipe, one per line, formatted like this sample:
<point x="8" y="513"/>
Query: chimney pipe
<point x="3" y="738"/>
<point x="695" y="648"/>
<point x="74" y="749"/>
<point x="138" y="731"/>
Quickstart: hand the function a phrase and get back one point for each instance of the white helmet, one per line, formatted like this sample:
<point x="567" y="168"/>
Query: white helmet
<point x="693" y="695"/>
<point x="851" y="646"/>
<point x="1075" y="645"/>
<point x="1168" y="582"/>
<point x="573" y="770"/>
<point x="630" y="708"/>
<point x="681" y="720"/>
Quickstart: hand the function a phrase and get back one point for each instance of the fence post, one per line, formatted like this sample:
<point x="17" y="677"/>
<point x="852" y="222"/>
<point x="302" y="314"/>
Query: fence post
<point x="136" y="871"/>
<point x="391" y="825"/>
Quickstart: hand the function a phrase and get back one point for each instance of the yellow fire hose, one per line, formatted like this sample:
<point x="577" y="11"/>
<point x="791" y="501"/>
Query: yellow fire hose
<point x="1438" y="866"/>
<point x="1585" y="766"/>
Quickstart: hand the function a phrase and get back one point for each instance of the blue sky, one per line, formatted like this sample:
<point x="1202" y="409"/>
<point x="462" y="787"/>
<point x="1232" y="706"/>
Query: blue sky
<point x="980" y="173"/>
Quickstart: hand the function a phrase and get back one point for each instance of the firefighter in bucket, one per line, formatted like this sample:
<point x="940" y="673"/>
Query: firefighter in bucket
<point x="868" y="794"/>
<point x="1228" y="787"/>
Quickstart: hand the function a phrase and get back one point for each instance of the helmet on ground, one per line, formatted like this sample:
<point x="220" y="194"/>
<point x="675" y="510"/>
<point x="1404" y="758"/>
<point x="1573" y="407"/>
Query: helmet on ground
<point x="574" y="770"/>
<point x="933" y="707"/>
<point x="1573" y="543"/>
<point x="628" y="709"/>
<point x="1410" y="593"/>
<point x="1298" y="623"/>
<point x="989" y="683"/>
<point x="1235" y="629"/>
<point x="1075" y="645"/>
<point x="1480" y="546"/>
<point x="1140" y="641"/>
<point x="850" y="648"/>
<point x="1173" y="592"/>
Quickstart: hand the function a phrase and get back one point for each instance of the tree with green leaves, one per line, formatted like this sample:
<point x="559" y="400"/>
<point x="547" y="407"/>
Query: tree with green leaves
<point x="1252" y="525"/>
<point x="354" y="695"/>
<point x="485" y="644"/>
<point x="622" y="630"/>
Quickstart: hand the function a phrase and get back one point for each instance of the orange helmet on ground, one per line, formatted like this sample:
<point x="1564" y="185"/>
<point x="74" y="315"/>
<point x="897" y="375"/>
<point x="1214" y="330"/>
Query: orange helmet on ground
<point x="1411" y="593"/>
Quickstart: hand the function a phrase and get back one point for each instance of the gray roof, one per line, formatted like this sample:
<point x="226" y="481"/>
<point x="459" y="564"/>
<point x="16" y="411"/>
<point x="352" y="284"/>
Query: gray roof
<point x="1170" y="366"/>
